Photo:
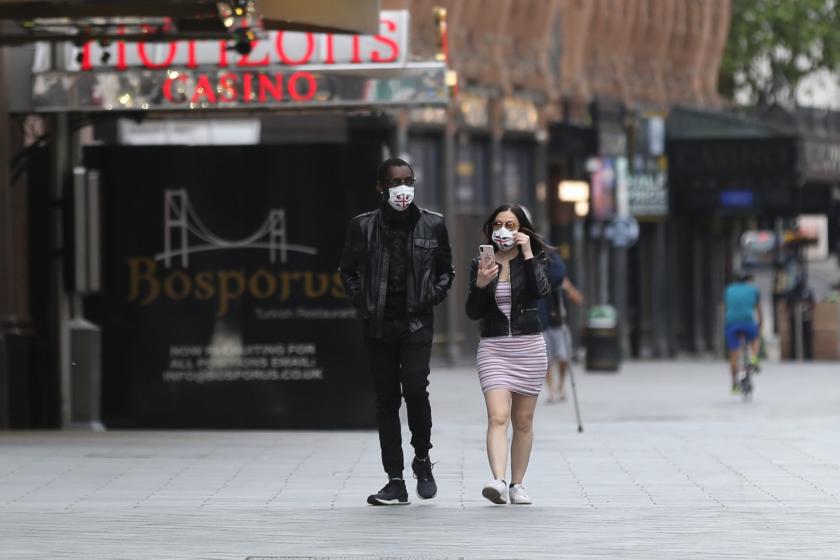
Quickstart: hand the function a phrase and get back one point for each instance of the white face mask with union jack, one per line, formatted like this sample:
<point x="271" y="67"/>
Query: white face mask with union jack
<point x="400" y="197"/>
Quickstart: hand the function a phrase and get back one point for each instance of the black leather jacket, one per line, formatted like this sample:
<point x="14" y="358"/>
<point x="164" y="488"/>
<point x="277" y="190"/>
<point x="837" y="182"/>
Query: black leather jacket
<point x="363" y="272"/>
<point x="528" y="283"/>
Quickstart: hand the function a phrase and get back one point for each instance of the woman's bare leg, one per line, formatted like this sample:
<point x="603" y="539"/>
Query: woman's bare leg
<point x="522" y="414"/>
<point x="498" y="418"/>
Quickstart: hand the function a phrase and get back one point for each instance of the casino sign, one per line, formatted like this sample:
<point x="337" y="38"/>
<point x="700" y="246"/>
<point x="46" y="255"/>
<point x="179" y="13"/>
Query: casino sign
<point x="282" y="69"/>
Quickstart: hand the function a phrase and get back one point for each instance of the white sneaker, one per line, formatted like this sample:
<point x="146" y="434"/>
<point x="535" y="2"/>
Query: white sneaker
<point x="495" y="491"/>
<point x="518" y="495"/>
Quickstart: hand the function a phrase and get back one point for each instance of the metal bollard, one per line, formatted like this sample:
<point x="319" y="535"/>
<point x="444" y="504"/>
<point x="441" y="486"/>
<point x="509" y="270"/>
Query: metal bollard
<point x="85" y="375"/>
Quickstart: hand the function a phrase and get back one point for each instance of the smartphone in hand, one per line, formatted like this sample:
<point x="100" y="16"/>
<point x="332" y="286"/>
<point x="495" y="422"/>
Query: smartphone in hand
<point x="486" y="255"/>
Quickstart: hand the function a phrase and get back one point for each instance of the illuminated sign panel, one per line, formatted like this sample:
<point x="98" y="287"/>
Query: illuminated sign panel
<point x="283" y="69"/>
<point x="190" y="89"/>
<point x="275" y="48"/>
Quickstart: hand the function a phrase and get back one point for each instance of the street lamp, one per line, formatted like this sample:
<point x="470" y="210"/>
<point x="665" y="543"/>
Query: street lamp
<point x="576" y="192"/>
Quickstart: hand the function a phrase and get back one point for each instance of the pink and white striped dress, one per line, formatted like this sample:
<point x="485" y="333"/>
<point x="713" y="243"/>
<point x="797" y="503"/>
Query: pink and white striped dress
<point x="516" y="363"/>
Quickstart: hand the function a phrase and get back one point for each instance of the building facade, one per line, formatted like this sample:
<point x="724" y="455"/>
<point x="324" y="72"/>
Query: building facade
<point x="547" y="91"/>
<point x="549" y="88"/>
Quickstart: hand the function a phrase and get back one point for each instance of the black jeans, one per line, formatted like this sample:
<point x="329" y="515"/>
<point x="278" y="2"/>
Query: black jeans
<point x="399" y="363"/>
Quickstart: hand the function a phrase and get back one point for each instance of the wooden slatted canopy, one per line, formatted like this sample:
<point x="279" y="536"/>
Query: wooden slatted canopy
<point x="26" y="21"/>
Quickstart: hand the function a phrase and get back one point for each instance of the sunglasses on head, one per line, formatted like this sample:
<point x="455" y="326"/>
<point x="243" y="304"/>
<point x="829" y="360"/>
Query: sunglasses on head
<point x="407" y="181"/>
<point x="512" y="226"/>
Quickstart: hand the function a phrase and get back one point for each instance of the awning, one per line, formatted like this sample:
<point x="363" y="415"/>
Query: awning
<point x="775" y="161"/>
<point x="26" y="21"/>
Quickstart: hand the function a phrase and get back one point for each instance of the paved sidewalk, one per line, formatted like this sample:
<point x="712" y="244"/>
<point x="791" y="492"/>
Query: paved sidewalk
<point x="669" y="466"/>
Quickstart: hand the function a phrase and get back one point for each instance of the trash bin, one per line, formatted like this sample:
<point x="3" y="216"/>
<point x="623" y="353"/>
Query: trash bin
<point x="603" y="352"/>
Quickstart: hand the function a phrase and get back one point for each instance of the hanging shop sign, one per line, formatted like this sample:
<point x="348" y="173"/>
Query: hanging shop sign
<point x="648" y="194"/>
<point x="648" y="187"/>
<point x="282" y="69"/>
<point x="602" y="188"/>
<point x="648" y="181"/>
<point x="221" y="304"/>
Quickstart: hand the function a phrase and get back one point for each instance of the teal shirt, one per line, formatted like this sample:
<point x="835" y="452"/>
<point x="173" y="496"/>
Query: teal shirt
<point x="741" y="299"/>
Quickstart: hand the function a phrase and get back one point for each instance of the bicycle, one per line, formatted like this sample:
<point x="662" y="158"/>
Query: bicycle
<point x="747" y="371"/>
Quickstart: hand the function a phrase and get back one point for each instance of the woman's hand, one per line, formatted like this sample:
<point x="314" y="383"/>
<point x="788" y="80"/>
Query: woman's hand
<point x="524" y="243"/>
<point x="486" y="274"/>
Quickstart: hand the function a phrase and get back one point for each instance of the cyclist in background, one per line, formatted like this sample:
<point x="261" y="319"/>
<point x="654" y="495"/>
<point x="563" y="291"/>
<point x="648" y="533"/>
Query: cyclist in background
<point x="742" y="300"/>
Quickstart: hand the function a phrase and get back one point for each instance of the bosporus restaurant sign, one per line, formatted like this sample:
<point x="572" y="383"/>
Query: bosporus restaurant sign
<point x="221" y="304"/>
<point x="283" y="69"/>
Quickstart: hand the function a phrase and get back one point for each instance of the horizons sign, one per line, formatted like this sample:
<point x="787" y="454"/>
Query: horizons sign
<point x="283" y="68"/>
<point x="272" y="49"/>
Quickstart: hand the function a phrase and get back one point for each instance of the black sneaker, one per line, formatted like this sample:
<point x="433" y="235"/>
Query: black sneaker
<point x="393" y="494"/>
<point x="426" y="486"/>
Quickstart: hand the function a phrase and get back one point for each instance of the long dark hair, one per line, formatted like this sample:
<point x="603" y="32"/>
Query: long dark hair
<point x="538" y="245"/>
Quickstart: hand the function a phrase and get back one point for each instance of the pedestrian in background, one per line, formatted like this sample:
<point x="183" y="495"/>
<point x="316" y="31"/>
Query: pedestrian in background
<point x="396" y="266"/>
<point x="742" y="307"/>
<point x="558" y="337"/>
<point x="511" y="359"/>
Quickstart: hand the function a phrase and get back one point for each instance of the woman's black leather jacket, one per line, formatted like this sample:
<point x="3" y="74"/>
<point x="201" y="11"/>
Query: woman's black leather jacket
<point x="528" y="283"/>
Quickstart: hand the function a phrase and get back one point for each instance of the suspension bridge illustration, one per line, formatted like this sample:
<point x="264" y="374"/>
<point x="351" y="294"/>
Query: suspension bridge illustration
<point x="180" y="220"/>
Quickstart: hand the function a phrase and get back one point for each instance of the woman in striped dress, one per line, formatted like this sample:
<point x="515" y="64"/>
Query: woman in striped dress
<point x="512" y="358"/>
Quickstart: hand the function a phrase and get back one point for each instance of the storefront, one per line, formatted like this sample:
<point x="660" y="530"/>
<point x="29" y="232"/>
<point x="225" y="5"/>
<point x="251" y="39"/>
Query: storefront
<point x="217" y="294"/>
<point x="729" y="174"/>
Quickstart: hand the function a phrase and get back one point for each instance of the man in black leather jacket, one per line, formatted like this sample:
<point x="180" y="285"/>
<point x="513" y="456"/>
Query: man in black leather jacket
<point x="396" y="266"/>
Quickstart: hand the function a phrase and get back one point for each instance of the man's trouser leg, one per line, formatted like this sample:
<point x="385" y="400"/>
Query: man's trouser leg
<point x="384" y="357"/>
<point x="414" y="375"/>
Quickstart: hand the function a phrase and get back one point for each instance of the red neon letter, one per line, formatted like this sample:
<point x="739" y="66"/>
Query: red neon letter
<point x="144" y="58"/>
<point x="121" y="62"/>
<point x="281" y="52"/>
<point x="311" y="90"/>
<point x="330" y="58"/>
<point x="167" y="88"/>
<point x="191" y="63"/>
<point x="248" y="88"/>
<point x="226" y="82"/>
<point x="86" y="65"/>
<point x="204" y="89"/>
<point x="246" y="62"/>
<point x="223" y="61"/>
<point x="395" y="48"/>
<point x="276" y="89"/>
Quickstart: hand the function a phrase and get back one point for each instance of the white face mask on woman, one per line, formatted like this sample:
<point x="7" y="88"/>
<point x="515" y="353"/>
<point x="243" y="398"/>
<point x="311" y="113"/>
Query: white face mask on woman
<point x="503" y="237"/>
<point x="400" y="197"/>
